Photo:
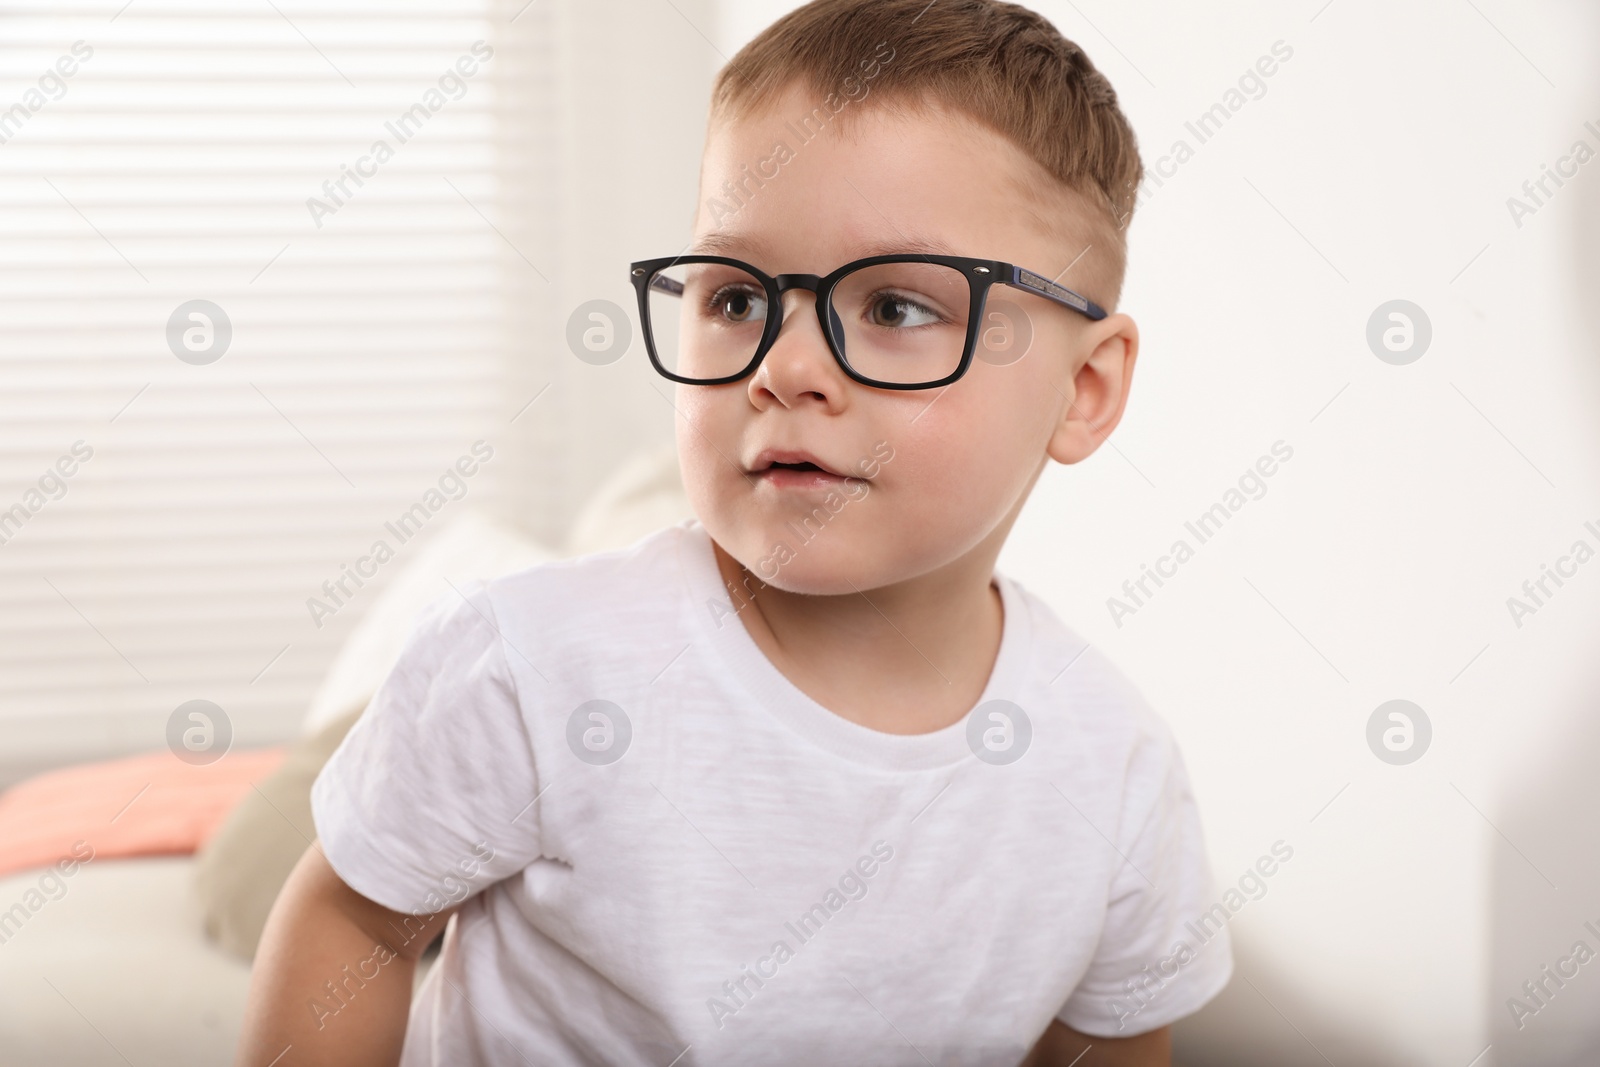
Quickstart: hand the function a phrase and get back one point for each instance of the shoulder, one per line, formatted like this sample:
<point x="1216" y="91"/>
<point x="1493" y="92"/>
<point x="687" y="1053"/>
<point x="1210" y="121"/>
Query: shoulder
<point x="545" y="605"/>
<point x="568" y="617"/>
<point x="1096" y="715"/>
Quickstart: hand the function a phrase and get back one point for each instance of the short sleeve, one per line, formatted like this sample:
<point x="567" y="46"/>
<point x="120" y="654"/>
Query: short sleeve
<point x="427" y="800"/>
<point x="1162" y="952"/>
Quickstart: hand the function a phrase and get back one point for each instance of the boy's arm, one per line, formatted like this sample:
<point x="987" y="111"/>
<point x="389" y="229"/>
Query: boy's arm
<point x="318" y="928"/>
<point x="1061" y="1046"/>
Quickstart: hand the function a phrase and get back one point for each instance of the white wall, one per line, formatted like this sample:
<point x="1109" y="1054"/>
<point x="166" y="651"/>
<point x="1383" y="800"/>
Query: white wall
<point x="1377" y="565"/>
<point x="635" y="80"/>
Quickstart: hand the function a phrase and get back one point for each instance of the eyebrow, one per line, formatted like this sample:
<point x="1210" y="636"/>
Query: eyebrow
<point x="731" y="244"/>
<point x="721" y="244"/>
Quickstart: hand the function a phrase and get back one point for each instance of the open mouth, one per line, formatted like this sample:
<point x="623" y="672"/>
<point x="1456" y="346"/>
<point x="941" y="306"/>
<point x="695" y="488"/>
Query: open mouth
<point x="793" y="468"/>
<point x="802" y="472"/>
<point x="790" y="463"/>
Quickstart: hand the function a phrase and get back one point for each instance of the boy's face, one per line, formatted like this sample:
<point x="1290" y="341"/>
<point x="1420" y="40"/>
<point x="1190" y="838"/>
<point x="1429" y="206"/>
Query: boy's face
<point x="964" y="456"/>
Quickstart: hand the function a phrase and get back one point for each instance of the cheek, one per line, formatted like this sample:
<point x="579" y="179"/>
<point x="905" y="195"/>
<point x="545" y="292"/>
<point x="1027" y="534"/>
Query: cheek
<point x="708" y="430"/>
<point x="699" y="413"/>
<point x="948" y="486"/>
<point x="694" y="453"/>
<point x="961" y="482"/>
<point x="974" y="450"/>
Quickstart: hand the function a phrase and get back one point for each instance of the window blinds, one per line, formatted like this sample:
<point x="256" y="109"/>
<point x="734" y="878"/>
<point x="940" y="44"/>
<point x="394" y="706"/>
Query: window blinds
<point x="261" y="273"/>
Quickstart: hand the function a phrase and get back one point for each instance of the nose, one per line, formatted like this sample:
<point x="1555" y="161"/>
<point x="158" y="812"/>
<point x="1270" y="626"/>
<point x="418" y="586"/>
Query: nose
<point x="799" y="362"/>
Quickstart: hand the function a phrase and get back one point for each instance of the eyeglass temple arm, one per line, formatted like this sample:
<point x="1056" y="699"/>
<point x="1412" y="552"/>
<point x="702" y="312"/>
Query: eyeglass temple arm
<point x="1025" y="280"/>
<point x="1030" y="282"/>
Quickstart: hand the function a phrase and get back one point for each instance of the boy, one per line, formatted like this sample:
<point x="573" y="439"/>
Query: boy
<point x="802" y="780"/>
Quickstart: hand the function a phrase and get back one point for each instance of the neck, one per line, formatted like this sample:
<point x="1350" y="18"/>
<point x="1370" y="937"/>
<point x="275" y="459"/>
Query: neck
<point x="906" y="658"/>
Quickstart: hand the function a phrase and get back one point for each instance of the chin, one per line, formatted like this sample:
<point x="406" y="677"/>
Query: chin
<point x="832" y="563"/>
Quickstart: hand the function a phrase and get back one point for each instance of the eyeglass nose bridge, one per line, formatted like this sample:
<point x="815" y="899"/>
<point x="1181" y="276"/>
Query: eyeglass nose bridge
<point x="827" y="317"/>
<point x="809" y="282"/>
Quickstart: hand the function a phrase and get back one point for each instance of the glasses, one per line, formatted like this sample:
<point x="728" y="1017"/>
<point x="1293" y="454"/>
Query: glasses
<point x="904" y="321"/>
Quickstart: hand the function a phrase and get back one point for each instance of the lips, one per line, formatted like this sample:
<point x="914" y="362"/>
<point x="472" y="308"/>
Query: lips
<point x="778" y="459"/>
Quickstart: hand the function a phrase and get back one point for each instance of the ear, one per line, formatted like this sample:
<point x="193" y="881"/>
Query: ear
<point x="1098" y="390"/>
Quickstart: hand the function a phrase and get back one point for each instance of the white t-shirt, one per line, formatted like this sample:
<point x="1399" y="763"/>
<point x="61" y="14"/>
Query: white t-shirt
<point x="709" y="867"/>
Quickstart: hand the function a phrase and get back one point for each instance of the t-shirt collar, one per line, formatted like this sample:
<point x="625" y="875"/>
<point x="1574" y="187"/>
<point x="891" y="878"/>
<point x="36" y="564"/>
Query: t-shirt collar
<point x="713" y="620"/>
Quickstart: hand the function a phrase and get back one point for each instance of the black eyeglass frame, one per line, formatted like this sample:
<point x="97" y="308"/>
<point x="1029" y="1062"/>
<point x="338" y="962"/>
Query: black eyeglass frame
<point x="981" y="275"/>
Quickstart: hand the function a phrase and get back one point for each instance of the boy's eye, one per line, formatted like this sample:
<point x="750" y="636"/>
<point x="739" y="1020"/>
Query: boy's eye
<point x="899" y="312"/>
<point x="739" y="304"/>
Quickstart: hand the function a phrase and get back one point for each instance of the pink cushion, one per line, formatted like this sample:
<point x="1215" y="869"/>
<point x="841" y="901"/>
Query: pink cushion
<point x="146" y="805"/>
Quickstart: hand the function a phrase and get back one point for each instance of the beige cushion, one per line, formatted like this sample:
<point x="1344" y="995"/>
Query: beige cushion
<point x="472" y="547"/>
<point x="240" y="870"/>
<point x="641" y="496"/>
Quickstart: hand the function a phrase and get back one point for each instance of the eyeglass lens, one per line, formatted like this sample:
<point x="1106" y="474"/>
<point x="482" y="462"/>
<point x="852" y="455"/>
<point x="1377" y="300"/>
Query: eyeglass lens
<point x="901" y="323"/>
